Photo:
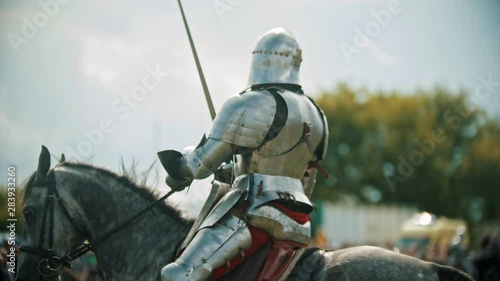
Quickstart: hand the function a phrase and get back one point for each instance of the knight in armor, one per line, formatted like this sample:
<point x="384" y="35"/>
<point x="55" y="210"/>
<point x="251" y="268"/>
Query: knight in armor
<point x="274" y="135"/>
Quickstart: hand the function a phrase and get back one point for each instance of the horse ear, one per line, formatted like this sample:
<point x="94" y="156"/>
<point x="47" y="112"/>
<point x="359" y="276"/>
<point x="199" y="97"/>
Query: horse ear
<point x="63" y="158"/>
<point x="43" y="163"/>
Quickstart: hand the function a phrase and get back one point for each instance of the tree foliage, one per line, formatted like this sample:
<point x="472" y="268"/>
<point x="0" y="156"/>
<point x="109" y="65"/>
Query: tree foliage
<point x="433" y="149"/>
<point x="4" y="214"/>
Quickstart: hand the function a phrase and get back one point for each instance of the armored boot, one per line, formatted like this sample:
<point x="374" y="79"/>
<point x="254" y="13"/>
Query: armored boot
<point x="210" y="248"/>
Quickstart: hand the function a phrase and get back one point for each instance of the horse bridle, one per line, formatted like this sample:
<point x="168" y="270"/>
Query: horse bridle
<point x="51" y="265"/>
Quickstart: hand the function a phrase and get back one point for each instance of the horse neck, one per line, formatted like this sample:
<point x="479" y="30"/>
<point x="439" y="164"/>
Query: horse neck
<point x="106" y="202"/>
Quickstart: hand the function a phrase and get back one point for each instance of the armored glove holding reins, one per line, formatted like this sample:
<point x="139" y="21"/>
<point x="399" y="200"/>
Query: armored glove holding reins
<point x="172" y="161"/>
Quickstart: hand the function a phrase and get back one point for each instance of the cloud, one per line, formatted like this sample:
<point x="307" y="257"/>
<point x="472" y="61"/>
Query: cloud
<point x="381" y="56"/>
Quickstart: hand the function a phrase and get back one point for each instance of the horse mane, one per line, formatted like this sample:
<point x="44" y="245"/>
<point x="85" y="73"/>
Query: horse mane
<point x="126" y="179"/>
<point x="25" y="186"/>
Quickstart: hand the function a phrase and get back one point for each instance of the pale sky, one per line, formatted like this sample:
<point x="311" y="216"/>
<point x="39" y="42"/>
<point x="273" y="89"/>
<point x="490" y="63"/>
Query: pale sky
<point x="68" y="68"/>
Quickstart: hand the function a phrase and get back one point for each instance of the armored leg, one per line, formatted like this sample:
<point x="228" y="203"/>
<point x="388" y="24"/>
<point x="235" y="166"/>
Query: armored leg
<point x="279" y="225"/>
<point x="209" y="249"/>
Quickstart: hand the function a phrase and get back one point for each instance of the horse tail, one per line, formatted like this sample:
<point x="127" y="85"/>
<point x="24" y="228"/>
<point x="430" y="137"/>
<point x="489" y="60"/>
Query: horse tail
<point x="448" y="273"/>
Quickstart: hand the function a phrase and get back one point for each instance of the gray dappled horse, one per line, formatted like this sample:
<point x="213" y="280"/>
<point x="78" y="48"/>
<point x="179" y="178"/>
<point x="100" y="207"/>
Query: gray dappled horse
<point x="76" y="202"/>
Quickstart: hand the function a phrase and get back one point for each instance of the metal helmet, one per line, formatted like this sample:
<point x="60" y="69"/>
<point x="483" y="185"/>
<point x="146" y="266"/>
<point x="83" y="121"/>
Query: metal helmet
<point x="276" y="59"/>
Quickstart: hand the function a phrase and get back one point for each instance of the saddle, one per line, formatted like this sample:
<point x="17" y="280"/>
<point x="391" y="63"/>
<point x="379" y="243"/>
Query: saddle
<point x="272" y="262"/>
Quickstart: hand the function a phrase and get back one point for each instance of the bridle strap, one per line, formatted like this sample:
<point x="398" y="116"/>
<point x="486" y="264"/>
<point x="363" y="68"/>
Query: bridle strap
<point x="44" y="221"/>
<point x="35" y="251"/>
<point x="49" y="211"/>
<point x="51" y="219"/>
<point x="67" y="215"/>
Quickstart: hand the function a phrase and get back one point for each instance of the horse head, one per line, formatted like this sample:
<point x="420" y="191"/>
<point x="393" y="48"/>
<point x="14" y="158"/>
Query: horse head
<point x="50" y="231"/>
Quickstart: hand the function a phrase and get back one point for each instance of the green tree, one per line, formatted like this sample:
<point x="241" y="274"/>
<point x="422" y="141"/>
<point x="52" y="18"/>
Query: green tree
<point x="430" y="149"/>
<point x="4" y="215"/>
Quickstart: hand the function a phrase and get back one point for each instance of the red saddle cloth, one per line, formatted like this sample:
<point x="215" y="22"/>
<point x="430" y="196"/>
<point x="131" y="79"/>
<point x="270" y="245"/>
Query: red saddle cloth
<point x="267" y="259"/>
<point x="267" y="264"/>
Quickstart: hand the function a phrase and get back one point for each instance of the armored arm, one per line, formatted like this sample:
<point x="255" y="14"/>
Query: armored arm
<point x="204" y="160"/>
<point x="197" y="164"/>
<point x="238" y="125"/>
<point x="309" y="179"/>
<point x="243" y="122"/>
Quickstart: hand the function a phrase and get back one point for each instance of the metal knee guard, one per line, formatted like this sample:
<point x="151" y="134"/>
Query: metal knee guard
<point x="279" y="225"/>
<point x="209" y="249"/>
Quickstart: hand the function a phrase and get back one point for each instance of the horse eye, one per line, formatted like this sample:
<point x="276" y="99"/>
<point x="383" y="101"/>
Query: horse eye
<point x="28" y="212"/>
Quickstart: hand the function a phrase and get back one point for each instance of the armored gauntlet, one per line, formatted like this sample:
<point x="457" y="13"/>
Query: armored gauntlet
<point x="172" y="161"/>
